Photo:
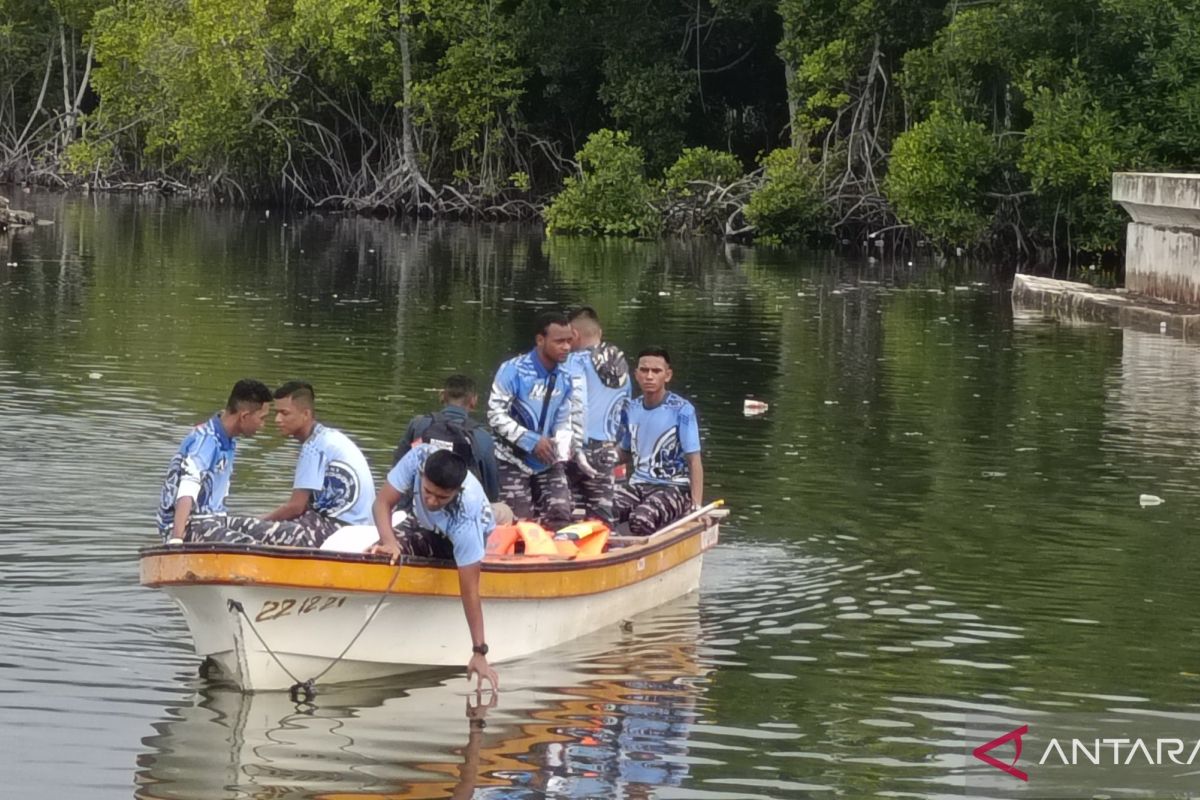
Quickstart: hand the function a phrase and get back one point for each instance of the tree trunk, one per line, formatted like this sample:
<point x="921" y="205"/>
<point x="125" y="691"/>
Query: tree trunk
<point x="793" y="101"/>
<point x="407" y="146"/>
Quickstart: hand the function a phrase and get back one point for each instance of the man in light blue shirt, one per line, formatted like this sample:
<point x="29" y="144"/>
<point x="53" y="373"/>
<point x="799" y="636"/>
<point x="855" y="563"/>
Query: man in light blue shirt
<point x="332" y="485"/>
<point x="192" y="500"/>
<point x="531" y="412"/>
<point x="661" y="436"/>
<point x="451" y="519"/>
<point x="603" y="387"/>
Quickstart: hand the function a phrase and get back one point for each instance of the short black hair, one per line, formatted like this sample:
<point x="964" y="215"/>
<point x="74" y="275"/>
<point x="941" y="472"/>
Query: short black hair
<point x="247" y="393"/>
<point x="459" y="387"/>
<point x="301" y="392"/>
<point x="584" y="312"/>
<point x="661" y="352"/>
<point x="548" y="318"/>
<point x="445" y="469"/>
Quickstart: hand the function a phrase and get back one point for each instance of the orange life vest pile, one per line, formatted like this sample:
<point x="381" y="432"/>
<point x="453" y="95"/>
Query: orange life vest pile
<point x="585" y="539"/>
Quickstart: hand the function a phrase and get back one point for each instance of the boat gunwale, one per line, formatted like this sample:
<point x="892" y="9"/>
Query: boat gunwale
<point x="535" y="564"/>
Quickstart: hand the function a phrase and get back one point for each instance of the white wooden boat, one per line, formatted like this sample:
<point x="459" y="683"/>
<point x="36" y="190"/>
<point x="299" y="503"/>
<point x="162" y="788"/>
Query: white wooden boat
<point x="273" y="618"/>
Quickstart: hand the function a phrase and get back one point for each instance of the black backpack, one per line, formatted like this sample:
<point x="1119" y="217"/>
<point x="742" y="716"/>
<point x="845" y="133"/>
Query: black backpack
<point x="445" y="432"/>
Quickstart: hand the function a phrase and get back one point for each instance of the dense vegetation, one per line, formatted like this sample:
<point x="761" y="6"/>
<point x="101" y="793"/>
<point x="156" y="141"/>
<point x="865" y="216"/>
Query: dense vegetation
<point x="994" y="124"/>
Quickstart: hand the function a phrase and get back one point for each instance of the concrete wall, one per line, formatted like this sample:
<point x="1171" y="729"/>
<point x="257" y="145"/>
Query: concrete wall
<point x="1162" y="250"/>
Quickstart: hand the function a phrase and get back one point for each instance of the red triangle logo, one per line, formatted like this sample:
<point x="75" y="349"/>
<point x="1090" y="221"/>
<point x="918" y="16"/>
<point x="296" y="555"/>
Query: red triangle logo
<point x="1014" y="736"/>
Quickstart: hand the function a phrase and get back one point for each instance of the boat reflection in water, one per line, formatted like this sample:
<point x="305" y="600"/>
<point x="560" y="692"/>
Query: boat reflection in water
<point x="605" y="716"/>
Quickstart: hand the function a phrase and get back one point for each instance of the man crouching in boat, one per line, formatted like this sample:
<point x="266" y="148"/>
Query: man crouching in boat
<point x="193" y="494"/>
<point x="451" y="518"/>
<point x="661" y="436"/>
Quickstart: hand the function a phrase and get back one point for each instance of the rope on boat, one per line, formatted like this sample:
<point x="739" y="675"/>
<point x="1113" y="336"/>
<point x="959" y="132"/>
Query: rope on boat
<point x="305" y="691"/>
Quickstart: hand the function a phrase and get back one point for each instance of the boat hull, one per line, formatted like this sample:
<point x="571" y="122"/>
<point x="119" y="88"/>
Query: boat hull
<point x="272" y="618"/>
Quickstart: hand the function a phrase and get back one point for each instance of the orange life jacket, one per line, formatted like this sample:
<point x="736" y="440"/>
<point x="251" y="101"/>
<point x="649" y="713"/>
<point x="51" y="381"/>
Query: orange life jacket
<point x="585" y="539"/>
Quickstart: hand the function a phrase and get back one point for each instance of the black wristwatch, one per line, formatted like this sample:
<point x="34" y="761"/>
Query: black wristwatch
<point x="482" y="649"/>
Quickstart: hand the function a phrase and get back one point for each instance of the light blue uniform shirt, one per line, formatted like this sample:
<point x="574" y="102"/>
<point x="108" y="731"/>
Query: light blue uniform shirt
<point x="603" y="400"/>
<point x="201" y="470"/>
<point x="466" y="520"/>
<point x="528" y="402"/>
<point x="659" y="438"/>
<point x="336" y="472"/>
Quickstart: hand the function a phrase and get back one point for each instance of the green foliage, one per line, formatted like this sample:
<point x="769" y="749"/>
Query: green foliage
<point x="86" y="158"/>
<point x="199" y="81"/>
<point x="938" y="175"/>
<point x="651" y="102"/>
<point x="519" y="181"/>
<point x="475" y="82"/>
<point x="610" y="196"/>
<point x="1070" y="151"/>
<point x="790" y="205"/>
<point x="701" y="164"/>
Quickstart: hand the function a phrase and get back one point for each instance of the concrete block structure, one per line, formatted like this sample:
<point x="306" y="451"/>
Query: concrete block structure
<point x="1162" y="250"/>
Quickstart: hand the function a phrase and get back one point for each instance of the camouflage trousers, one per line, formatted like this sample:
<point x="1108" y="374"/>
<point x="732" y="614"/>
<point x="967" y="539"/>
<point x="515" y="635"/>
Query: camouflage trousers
<point x="545" y="496"/>
<point x="309" y="529"/>
<point x="648" y="507"/>
<point x="415" y="540"/>
<point x="595" y="493"/>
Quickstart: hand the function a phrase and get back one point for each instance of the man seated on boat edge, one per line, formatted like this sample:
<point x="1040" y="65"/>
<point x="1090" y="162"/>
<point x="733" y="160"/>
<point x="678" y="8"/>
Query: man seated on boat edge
<point x="193" y="493"/>
<point x="332" y="486"/>
<point x="451" y="519"/>
<point x="602" y="388"/>
<point x="537" y="426"/>
<point x="452" y="428"/>
<point x="660" y="436"/>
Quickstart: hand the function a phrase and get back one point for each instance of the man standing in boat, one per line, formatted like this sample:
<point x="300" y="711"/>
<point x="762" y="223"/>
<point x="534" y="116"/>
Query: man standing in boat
<point x="332" y="485"/>
<point x="193" y="494"/>
<point x="530" y="411"/>
<point x="660" y="434"/>
<point x="603" y="388"/>
<point x="451" y="519"/>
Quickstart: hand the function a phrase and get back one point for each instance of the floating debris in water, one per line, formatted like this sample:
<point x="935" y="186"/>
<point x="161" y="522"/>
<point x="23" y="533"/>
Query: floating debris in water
<point x="95" y="375"/>
<point x="752" y="408"/>
<point x="664" y="294"/>
<point x="1147" y="500"/>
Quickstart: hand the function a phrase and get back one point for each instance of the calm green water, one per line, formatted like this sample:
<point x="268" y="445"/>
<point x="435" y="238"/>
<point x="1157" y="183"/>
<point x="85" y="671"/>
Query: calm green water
<point x="939" y="513"/>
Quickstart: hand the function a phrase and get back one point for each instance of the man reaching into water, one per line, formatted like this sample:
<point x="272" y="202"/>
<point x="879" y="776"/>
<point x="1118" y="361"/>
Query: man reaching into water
<point x="660" y="434"/>
<point x="451" y="519"/>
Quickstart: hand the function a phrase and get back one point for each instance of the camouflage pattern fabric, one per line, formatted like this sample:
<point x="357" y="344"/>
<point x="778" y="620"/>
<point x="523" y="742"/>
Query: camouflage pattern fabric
<point x="309" y="529"/>
<point x="545" y="496"/>
<point x="595" y="494"/>
<point x="650" y="507"/>
<point x="415" y="540"/>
